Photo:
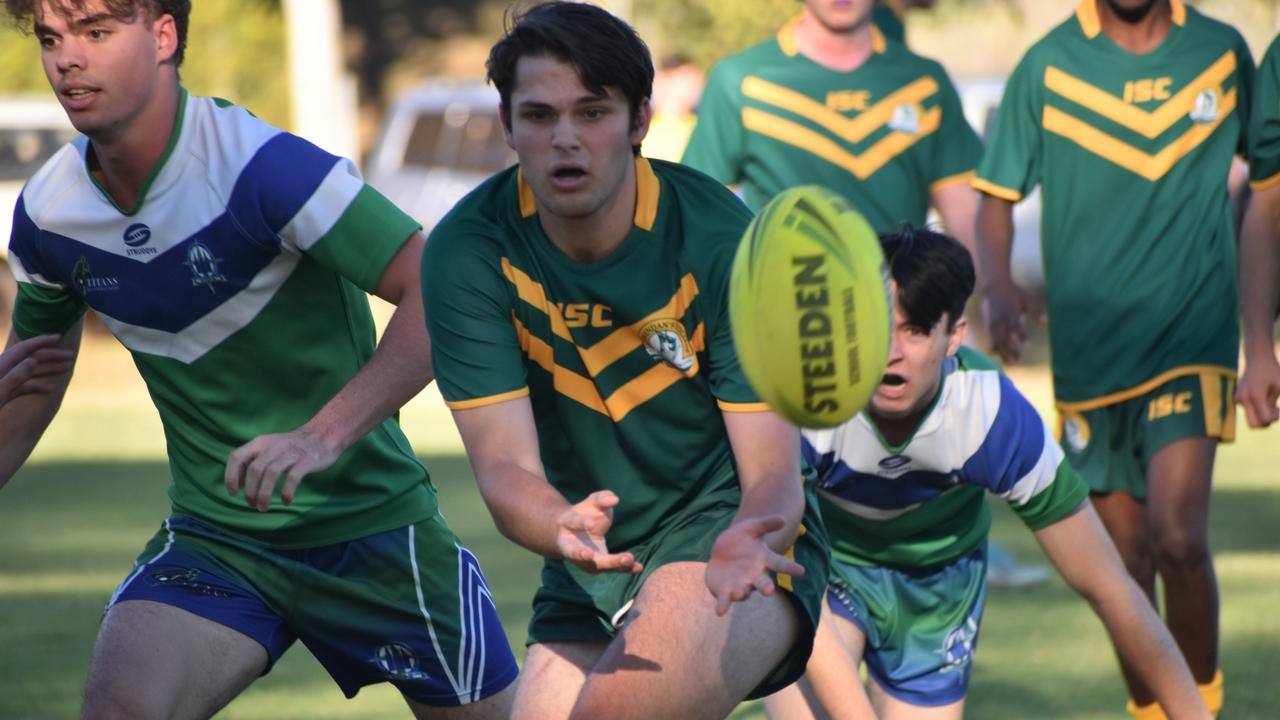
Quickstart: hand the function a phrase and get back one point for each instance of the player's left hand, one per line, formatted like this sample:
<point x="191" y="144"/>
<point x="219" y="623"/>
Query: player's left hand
<point x="741" y="562"/>
<point x="1259" y="390"/>
<point x="257" y="465"/>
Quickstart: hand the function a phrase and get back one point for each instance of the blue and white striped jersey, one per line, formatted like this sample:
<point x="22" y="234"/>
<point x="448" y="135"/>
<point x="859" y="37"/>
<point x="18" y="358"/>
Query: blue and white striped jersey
<point x="922" y="503"/>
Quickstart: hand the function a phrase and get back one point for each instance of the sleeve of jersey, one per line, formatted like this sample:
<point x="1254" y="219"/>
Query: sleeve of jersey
<point x="1010" y="167"/>
<point x="728" y="383"/>
<point x="44" y="305"/>
<point x="1264" y="122"/>
<point x="956" y="149"/>
<point x="475" y="344"/>
<point x="715" y="146"/>
<point x="317" y="203"/>
<point x="1020" y="461"/>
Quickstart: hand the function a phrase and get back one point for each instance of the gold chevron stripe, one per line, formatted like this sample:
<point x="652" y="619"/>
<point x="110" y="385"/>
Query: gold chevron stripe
<point x="625" y="339"/>
<point x="1151" y="167"/>
<point x="1148" y="124"/>
<point x="861" y="166"/>
<point x="566" y="382"/>
<point x="849" y="129"/>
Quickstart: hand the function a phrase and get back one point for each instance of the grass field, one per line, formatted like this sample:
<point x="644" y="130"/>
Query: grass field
<point x="72" y="521"/>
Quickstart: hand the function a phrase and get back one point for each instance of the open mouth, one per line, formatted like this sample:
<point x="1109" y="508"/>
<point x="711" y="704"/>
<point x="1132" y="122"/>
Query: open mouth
<point x="568" y="173"/>
<point x="893" y="380"/>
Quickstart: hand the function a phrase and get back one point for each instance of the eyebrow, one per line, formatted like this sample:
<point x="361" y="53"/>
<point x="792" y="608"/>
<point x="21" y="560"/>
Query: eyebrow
<point x="82" y="22"/>
<point x="585" y="99"/>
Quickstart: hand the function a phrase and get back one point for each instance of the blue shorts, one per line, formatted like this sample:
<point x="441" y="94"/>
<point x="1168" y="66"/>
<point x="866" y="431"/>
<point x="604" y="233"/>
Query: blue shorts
<point x="921" y="625"/>
<point x="407" y="606"/>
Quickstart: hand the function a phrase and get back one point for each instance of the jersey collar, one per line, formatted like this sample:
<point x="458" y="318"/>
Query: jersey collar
<point x="155" y="170"/>
<point x="1090" y="25"/>
<point x="786" y="38"/>
<point x="647" y="190"/>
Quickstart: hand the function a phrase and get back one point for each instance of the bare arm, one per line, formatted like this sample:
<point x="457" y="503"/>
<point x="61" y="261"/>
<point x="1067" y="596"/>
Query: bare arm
<point x="957" y="203"/>
<point x="34" y="381"/>
<point x="1006" y="304"/>
<point x="399" y="368"/>
<point x="766" y="450"/>
<point x="1079" y="548"/>
<point x="1259" y="274"/>
<point x="502" y="444"/>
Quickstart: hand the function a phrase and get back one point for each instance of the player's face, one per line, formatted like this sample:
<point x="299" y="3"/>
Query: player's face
<point x="574" y="145"/>
<point x="104" y="71"/>
<point x="839" y="16"/>
<point x="914" y="373"/>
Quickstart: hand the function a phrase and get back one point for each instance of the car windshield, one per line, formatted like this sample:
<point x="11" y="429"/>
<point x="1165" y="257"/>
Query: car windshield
<point x="24" y="150"/>
<point x="460" y="138"/>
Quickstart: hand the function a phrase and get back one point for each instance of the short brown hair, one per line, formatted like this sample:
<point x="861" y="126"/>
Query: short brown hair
<point x="23" y="13"/>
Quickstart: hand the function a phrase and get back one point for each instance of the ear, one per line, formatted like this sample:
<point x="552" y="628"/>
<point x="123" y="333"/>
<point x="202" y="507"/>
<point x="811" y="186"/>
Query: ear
<point x="643" y="116"/>
<point x="504" y="116"/>
<point x="166" y="32"/>
<point x="957" y="336"/>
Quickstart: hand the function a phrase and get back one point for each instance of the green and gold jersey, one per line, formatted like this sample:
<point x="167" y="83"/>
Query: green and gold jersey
<point x="628" y="362"/>
<point x="883" y="135"/>
<point x="1132" y="154"/>
<point x="1264" y="122"/>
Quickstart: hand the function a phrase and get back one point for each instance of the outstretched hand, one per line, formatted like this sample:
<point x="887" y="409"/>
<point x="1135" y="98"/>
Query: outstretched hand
<point x="742" y="563"/>
<point x="580" y="537"/>
<point x="259" y="464"/>
<point x="32" y="366"/>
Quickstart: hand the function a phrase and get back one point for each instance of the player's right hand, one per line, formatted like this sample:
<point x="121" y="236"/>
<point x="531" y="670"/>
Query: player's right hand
<point x="580" y="536"/>
<point x="30" y="366"/>
<point x="1005" y="307"/>
<point x="1259" y="389"/>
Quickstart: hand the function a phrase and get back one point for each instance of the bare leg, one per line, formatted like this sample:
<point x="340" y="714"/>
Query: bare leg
<point x="832" y="687"/>
<point x="1178" y="483"/>
<point x="494" y="707"/>
<point x="153" y="660"/>
<point x="889" y="707"/>
<point x="552" y="677"/>
<point x="674" y="658"/>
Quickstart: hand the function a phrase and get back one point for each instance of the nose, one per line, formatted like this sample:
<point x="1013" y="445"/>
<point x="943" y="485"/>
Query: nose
<point x="565" y="134"/>
<point x="69" y="54"/>
<point x="895" y="346"/>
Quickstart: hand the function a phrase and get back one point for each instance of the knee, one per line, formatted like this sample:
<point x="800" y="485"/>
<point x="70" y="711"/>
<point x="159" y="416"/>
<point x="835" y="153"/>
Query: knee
<point x="1179" y="552"/>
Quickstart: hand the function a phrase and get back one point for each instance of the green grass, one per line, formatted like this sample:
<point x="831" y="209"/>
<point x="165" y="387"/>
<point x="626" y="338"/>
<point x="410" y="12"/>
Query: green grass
<point x="72" y="521"/>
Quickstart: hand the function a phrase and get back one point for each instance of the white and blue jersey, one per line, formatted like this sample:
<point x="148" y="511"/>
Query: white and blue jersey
<point x="238" y="281"/>
<point x="921" y="504"/>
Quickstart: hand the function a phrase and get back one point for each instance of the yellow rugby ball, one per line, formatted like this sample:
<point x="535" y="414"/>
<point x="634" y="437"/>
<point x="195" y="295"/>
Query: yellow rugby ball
<point x="810" y="309"/>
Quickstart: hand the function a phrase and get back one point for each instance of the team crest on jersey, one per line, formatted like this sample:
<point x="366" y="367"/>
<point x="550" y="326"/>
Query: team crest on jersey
<point x="399" y="662"/>
<point x="86" y="282"/>
<point x="1206" y="107"/>
<point x="203" y="265"/>
<point x="906" y="119"/>
<point x="665" y="340"/>
<point x="1075" y="432"/>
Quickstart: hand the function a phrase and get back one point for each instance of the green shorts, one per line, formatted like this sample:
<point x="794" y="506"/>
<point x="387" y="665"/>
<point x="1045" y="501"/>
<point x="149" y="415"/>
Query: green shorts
<point x="408" y="606"/>
<point x="1110" y="441"/>
<point x="574" y="606"/>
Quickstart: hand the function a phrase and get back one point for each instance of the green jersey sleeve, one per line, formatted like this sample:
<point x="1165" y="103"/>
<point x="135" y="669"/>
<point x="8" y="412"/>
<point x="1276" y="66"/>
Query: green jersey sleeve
<point x="361" y="244"/>
<point x="475" y="344"/>
<point x="1264" y="121"/>
<point x="956" y="147"/>
<point x="716" y="144"/>
<point x="1010" y="168"/>
<point x="1059" y="500"/>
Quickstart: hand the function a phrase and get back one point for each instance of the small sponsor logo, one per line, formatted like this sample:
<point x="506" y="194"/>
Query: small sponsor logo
<point x="958" y="646"/>
<point x="665" y="340"/>
<point x="187" y="579"/>
<point x="399" y="662"/>
<point x="893" y="462"/>
<point x="137" y="235"/>
<point x="204" y="266"/>
<point x="85" y="282"/>
<point x="1206" y="107"/>
<point x="906" y="119"/>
